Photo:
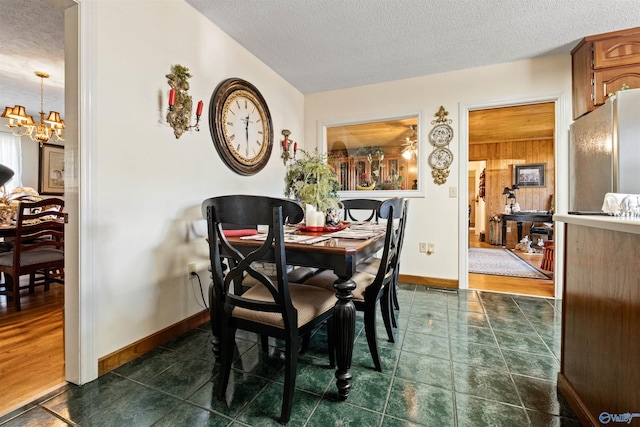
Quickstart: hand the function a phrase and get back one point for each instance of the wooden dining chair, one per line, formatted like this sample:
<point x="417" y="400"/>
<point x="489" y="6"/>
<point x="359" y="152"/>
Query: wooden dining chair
<point x="371" y="288"/>
<point x="372" y="265"/>
<point x="275" y="308"/>
<point x="361" y="209"/>
<point x="38" y="247"/>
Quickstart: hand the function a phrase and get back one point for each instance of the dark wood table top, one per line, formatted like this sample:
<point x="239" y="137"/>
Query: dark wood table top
<point x="339" y="254"/>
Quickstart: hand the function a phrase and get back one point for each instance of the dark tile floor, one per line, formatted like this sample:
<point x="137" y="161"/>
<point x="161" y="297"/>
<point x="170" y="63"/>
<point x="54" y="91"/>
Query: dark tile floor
<point x="460" y="359"/>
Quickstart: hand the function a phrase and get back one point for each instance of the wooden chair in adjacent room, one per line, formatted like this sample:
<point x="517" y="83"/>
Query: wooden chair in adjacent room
<point x="277" y="308"/>
<point x="38" y="247"/>
<point x="371" y="288"/>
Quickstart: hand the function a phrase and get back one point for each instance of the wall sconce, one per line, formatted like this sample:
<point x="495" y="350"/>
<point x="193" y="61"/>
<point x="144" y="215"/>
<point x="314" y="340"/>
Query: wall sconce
<point x="286" y="145"/>
<point x="180" y="103"/>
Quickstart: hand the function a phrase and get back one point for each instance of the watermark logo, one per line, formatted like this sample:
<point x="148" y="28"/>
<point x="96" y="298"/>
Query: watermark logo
<point x="627" y="417"/>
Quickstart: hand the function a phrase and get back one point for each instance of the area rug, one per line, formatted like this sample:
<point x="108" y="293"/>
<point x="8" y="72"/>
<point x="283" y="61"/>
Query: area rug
<point x="501" y="262"/>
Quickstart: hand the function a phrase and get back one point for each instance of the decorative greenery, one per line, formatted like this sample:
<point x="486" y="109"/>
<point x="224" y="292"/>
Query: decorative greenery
<point x="310" y="180"/>
<point x="180" y="116"/>
<point x="623" y="87"/>
<point x="370" y="151"/>
<point x="393" y="182"/>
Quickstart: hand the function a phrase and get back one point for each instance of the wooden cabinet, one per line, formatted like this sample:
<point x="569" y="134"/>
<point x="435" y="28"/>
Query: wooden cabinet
<point x="602" y="64"/>
<point x="599" y="370"/>
<point x="392" y="173"/>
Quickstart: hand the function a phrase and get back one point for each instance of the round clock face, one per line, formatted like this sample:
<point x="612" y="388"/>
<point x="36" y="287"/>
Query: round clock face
<point x="440" y="158"/>
<point x="441" y="135"/>
<point x="240" y="125"/>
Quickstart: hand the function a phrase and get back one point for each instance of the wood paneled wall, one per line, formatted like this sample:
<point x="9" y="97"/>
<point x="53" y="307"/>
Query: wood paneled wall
<point x="501" y="158"/>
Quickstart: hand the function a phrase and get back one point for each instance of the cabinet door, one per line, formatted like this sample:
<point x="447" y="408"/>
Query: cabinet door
<point x="581" y="79"/>
<point x="611" y="80"/>
<point x="617" y="51"/>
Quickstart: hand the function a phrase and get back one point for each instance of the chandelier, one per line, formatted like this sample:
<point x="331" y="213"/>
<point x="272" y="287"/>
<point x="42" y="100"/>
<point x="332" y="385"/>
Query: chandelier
<point x="21" y="124"/>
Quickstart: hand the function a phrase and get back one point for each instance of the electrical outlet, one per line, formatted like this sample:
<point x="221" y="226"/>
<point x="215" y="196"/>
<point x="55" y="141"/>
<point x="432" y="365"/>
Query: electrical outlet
<point x="508" y="229"/>
<point x="431" y="248"/>
<point x="423" y="247"/>
<point x="453" y="192"/>
<point x="191" y="268"/>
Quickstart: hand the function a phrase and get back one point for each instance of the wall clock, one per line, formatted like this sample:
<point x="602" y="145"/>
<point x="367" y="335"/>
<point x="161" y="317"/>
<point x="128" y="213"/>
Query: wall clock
<point x="240" y="125"/>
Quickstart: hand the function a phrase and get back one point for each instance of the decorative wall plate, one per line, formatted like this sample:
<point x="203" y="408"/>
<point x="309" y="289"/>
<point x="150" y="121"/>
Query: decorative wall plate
<point x="441" y="135"/>
<point x="440" y="158"/>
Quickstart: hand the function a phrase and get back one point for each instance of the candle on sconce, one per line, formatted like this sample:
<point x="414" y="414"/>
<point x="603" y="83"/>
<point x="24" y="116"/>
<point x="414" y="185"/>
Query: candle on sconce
<point x="285" y="143"/>
<point x="295" y="147"/>
<point x="199" y="110"/>
<point x="172" y="97"/>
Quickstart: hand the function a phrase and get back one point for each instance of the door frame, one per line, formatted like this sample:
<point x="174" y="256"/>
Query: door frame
<point x="561" y="140"/>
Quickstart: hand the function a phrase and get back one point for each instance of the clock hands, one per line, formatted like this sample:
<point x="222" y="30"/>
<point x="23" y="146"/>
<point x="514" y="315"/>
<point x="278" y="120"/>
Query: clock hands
<point x="246" y="131"/>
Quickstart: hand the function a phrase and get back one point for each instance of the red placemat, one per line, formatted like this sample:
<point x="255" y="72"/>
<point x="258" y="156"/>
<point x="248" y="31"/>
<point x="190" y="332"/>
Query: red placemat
<point x="239" y="233"/>
<point x="342" y="226"/>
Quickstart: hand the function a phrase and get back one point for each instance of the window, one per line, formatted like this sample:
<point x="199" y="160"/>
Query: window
<point x="375" y="155"/>
<point x="11" y="156"/>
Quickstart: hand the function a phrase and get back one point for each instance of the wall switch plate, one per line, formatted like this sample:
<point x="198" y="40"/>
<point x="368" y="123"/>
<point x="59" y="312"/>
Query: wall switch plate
<point x="431" y="248"/>
<point x="423" y="247"/>
<point x="453" y="192"/>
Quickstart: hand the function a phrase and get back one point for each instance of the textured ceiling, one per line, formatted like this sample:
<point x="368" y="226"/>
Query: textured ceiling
<point x="32" y="34"/>
<point x="321" y="45"/>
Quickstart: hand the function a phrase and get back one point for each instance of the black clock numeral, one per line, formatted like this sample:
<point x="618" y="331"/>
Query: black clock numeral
<point x="258" y="142"/>
<point x="238" y="149"/>
<point x="238" y="103"/>
<point x="245" y="104"/>
<point x="231" y="111"/>
<point x="259" y="120"/>
<point x="232" y="137"/>
<point x="229" y="123"/>
<point x="260" y="132"/>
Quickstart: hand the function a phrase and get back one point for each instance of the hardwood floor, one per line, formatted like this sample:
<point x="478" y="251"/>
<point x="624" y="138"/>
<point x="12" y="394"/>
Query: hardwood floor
<point x="512" y="285"/>
<point x="32" y="349"/>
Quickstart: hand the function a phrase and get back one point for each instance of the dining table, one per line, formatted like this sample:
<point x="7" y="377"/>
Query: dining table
<point x="338" y="250"/>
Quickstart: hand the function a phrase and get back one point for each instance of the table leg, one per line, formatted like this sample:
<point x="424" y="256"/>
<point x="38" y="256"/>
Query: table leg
<point x="504" y="232"/>
<point x="519" y="231"/>
<point x="344" y="316"/>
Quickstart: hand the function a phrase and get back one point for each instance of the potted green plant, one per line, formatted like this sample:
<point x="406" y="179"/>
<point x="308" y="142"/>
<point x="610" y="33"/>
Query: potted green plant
<point x="311" y="181"/>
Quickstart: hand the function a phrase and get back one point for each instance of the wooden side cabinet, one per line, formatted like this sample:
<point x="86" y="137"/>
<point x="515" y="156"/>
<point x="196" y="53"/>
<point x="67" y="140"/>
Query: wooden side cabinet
<point x="602" y="64"/>
<point x="599" y="370"/>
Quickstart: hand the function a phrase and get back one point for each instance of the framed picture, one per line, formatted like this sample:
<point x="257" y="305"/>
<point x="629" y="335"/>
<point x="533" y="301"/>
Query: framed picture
<point x="529" y="175"/>
<point x="51" y="176"/>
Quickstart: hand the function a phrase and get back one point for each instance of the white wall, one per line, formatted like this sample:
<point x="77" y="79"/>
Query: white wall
<point x="148" y="184"/>
<point x="435" y="218"/>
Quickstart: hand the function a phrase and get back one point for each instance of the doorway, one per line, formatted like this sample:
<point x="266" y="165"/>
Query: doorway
<point x="501" y="140"/>
<point x="40" y="326"/>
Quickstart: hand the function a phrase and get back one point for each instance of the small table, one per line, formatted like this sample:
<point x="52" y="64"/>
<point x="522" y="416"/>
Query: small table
<point x="521" y="217"/>
<point x="342" y="256"/>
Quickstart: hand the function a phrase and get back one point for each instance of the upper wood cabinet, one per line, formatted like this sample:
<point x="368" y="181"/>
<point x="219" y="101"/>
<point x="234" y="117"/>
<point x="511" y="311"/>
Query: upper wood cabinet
<point x="602" y="64"/>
